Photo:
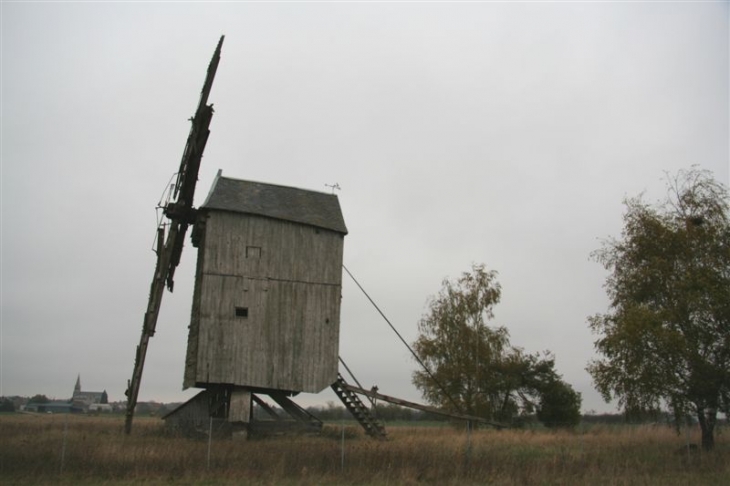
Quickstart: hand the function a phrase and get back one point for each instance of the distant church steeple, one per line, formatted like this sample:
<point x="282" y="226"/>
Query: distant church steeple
<point x="77" y="388"/>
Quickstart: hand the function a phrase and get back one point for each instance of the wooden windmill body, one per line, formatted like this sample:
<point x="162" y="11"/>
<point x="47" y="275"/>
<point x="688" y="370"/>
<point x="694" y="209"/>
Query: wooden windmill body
<point x="266" y="303"/>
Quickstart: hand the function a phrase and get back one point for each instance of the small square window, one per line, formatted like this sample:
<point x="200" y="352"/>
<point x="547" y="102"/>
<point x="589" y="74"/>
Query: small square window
<point x="253" y="252"/>
<point x="242" y="312"/>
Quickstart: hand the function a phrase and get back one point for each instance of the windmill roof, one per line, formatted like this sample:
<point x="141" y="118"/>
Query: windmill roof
<point x="279" y="202"/>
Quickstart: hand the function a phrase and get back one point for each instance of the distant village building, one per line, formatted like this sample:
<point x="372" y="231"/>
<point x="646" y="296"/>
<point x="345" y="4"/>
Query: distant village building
<point x="89" y="401"/>
<point x="54" y="406"/>
<point x="80" y="402"/>
<point x="100" y="407"/>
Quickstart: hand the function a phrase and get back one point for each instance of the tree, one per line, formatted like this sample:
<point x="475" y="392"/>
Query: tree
<point x="39" y="399"/>
<point x="6" y="405"/>
<point x="470" y="366"/>
<point x="559" y="405"/>
<point x="665" y="339"/>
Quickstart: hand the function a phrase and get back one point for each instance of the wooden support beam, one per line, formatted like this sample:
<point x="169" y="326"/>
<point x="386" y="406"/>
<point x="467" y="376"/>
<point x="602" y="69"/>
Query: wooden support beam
<point x="425" y="408"/>
<point x="266" y="408"/>
<point x="239" y="409"/>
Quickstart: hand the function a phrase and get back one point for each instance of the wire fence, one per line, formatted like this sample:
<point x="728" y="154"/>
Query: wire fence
<point x="46" y="448"/>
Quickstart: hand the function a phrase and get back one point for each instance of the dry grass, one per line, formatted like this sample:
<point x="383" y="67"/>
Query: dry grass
<point x="53" y="449"/>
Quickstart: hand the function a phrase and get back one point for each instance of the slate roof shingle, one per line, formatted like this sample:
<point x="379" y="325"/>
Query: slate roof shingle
<point x="279" y="202"/>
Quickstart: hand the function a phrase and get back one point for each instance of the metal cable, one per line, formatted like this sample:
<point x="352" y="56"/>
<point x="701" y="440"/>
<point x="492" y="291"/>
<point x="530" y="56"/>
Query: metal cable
<point x="352" y="375"/>
<point x="423" y="365"/>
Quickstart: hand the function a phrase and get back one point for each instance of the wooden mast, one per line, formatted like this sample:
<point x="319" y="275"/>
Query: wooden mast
<point x="181" y="214"/>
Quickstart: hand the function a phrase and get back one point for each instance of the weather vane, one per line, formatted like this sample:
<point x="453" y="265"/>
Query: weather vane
<point x="334" y="187"/>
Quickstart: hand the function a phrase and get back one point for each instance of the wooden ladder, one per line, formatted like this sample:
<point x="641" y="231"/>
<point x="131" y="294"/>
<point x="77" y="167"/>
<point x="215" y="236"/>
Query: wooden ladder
<point x="373" y="427"/>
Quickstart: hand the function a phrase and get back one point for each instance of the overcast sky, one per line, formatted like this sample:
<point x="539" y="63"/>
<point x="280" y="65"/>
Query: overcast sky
<point x="497" y="133"/>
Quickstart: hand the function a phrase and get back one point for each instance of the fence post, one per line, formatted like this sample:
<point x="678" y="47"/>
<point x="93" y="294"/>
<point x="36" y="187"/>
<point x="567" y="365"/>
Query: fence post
<point x="467" y="456"/>
<point x="63" y="443"/>
<point x="210" y="439"/>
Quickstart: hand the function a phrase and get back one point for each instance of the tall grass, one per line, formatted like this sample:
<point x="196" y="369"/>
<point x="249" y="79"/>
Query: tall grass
<point x="52" y="449"/>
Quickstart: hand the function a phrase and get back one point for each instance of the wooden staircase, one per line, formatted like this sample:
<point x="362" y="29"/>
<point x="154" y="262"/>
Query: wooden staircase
<point x="373" y="427"/>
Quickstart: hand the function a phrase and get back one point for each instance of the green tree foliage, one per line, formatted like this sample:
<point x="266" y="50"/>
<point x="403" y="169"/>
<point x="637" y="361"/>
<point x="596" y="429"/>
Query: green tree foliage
<point x="473" y="368"/>
<point x="559" y="405"/>
<point x="665" y="340"/>
<point x="39" y="399"/>
<point x="6" y="405"/>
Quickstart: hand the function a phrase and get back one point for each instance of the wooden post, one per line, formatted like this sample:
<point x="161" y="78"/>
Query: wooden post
<point x="239" y="412"/>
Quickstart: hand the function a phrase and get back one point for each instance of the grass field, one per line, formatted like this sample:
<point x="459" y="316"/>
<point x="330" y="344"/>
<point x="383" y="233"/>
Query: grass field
<point x="60" y="449"/>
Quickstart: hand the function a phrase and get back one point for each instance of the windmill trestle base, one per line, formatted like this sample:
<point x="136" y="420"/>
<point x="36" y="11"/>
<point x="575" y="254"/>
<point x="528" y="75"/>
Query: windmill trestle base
<point x="225" y="412"/>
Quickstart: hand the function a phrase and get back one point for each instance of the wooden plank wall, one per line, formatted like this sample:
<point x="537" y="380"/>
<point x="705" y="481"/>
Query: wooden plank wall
<point x="191" y="356"/>
<point x="291" y="290"/>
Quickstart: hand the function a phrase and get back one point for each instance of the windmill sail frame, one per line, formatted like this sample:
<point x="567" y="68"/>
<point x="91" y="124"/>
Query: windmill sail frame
<point x="181" y="214"/>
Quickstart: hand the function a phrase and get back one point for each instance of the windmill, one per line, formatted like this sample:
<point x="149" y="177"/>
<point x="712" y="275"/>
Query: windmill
<point x="181" y="214"/>
<point x="266" y="302"/>
<point x="265" y="316"/>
